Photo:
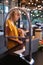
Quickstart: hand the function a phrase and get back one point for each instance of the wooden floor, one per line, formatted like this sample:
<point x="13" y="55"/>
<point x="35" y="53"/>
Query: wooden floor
<point x="37" y="56"/>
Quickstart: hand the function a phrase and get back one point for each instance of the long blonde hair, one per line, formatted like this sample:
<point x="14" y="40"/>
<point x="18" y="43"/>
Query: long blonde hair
<point x="13" y="13"/>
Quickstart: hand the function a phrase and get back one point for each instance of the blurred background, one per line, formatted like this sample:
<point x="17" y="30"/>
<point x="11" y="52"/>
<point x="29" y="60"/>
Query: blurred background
<point x="35" y="6"/>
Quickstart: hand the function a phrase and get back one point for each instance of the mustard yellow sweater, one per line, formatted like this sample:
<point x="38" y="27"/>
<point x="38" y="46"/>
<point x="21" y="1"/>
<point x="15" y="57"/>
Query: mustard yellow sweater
<point x="11" y="32"/>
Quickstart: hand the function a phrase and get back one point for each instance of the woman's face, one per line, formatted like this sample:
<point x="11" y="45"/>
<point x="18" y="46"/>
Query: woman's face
<point x="16" y="16"/>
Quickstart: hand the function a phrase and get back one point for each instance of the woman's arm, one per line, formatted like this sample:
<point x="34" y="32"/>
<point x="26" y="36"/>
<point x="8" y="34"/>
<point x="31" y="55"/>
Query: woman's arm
<point x="16" y="40"/>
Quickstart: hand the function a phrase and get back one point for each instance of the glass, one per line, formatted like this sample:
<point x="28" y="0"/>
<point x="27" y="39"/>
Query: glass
<point x="21" y="24"/>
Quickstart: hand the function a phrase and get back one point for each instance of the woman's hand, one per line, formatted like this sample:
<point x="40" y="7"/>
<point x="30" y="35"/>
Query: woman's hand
<point x="20" y="42"/>
<point x="21" y="32"/>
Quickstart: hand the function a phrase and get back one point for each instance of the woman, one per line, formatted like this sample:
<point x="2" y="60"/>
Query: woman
<point x="12" y="30"/>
